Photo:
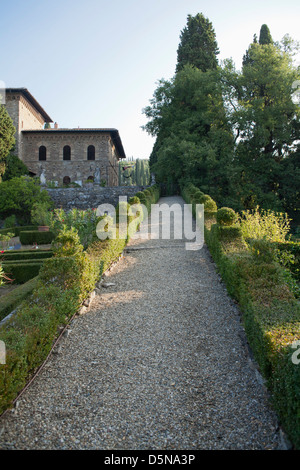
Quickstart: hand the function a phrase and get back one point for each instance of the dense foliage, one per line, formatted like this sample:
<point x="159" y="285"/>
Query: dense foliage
<point x="260" y="279"/>
<point x="134" y="172"/>
<point x="233" y="133"/>
<point x="18" y="196"/>
<point x="7" y="139"/>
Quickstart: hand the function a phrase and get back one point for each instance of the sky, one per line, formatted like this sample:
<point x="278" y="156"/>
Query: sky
<point x="96" y="63"/>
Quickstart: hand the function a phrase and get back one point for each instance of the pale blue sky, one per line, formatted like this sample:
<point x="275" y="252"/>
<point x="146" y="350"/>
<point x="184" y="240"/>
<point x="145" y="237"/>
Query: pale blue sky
<point x="95" y="63"/>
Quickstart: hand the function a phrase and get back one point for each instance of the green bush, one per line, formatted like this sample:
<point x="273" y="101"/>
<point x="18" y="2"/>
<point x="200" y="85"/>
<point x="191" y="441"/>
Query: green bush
<point x="210" y="206"/>
<point x="271" y="312"/>
<point x="18" y="195"/>
<point x="10" y="221"/>
<point x="229" y="233"/>
<point x="22" y="271"/>
<point x="289" y="256"/>
<point x="25" y="228"/>
<point x="64" y="281"/>
<point x="11" y="300"/>
<point x="262" y="250"/>
<point x="13" y="255"/>
<point x="226" y="216"/>
<point x="34" y="236"/>
<point x="265" y="224"/>
<point x="134" y="200"/>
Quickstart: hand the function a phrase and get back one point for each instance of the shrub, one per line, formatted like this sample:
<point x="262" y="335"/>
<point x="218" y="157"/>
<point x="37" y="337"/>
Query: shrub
<point x="22" y="271"/>
<point x="265" y="224"/>
<point x="67" y="243"/>
<point x="122" y="211"/>
<point x="25" y="255"/>
<point x="262" y="250"/>
<point x="210" y="206"/>
<point x="84" y="221"/>
<point x="34" y="236"/>
<point x="204" y="198"/>
<point x="18" y="195"/>
<point x="10" y="221"/>
<point x="11" y="300"/>
<point x="24" y="228"/>
<point x="229" y="233"/>
<point x="134" y="200"/>
<point x="226" y="216"/>
<point x="40" y="214"/>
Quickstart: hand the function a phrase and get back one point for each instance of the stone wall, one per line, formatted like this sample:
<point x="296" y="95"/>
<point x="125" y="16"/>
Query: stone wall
<point x="23" y="115"/>
<point x="90" y="197"/>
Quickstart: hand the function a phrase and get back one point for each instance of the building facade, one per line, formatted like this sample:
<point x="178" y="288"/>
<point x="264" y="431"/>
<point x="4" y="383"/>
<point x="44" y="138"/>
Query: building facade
<point x="59" y="155"/>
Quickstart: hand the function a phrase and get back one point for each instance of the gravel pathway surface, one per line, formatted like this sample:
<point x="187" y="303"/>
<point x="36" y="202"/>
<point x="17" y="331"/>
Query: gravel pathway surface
<point x="158" y="362"/>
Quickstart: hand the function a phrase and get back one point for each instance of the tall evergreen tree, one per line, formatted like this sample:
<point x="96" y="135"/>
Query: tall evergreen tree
<point x="265" y="35"/>
<point x="7" y="140"/>
<point x="198" y="45"/>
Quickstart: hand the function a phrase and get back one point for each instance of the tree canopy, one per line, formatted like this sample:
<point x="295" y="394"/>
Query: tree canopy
<point x="234" y="133"/>
<point x="198" y="45"/>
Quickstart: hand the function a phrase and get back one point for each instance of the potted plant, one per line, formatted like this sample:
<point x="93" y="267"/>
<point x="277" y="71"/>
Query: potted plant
<point x="40" y="216"/>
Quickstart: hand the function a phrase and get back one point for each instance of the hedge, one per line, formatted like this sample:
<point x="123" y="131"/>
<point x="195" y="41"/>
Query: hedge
<point x="11" y="300"/>
<point x="61" y="286"/>
<point x="22" y="271"/>
<point x="25" y="255"/>
<point x="16" y="230"/>
<point x="34" y="236"/>
<point x="270" y="313"/>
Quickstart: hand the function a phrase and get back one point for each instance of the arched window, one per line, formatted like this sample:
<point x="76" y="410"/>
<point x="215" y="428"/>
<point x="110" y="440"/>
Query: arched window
<point x="66" y="180"/>
<point x="67" y="152"/>
<point x="91" y="152"/>
<point x="42" y="153"/>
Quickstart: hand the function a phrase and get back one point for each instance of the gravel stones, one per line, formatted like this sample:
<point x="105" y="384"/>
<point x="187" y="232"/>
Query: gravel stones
<point x="158" y="362"/>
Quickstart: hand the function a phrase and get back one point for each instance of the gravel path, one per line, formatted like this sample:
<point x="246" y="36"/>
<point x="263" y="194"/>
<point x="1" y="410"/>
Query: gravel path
<point x="158" y="362"/>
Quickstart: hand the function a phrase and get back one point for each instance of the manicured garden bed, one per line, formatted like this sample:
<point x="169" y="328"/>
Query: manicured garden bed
<point x="64" y="281"/>
<point x="268" y="295"/>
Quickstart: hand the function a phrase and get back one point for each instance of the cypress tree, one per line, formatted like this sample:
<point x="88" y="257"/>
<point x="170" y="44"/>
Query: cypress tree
<point x="7" y="139"/>
<point x="198" y="45"/>
<point x="265" y="35"/>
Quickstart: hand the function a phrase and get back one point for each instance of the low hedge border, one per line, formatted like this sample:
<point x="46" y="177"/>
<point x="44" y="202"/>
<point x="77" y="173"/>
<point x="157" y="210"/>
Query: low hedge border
<point x="62" y="285"/>
<point x="22" y="271"/>
<point x="25" y="255"/>
<point x="34" y="236"/>
<point x="11" y="300"/>
<point x="271" y="318"/>
<point x="16" y="230"/>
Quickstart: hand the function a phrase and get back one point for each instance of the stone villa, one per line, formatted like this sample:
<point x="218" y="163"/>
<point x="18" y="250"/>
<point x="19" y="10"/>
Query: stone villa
<point x="62" y="155"/>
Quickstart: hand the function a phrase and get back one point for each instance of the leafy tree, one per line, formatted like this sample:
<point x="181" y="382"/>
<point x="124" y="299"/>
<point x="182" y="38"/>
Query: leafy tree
<point x="198" y="45"/>
<point x="14" y="168"/>
<point x="18" y="196"/>
<point x="193" y="138"/>
<point x="265" y="121"/>
<point x="7" y="140"/>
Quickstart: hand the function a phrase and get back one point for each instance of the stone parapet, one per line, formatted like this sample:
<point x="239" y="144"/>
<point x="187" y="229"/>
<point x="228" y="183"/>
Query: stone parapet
<point x="90" y="197"/>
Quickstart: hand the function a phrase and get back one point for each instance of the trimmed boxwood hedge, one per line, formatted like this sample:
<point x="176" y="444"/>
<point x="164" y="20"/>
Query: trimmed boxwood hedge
<point x="11" y="300"/>
<point x="25" y="254"/>
<point x="16" y="230"/>
<point x="271" y="315"/>
<point x="34" y="236"/>
<point x="62" y="285"/>
<point x="22" y="271"/>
